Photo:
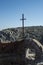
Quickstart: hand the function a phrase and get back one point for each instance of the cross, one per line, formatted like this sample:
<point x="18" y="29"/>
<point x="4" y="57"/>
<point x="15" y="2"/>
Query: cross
<point x="23" y="25"/>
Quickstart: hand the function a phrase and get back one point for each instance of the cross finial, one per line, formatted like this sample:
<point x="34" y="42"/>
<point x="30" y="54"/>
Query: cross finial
<point x="23" y="25"/>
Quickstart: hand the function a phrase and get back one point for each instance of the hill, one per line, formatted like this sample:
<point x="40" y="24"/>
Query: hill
<point x="14" y="34"/>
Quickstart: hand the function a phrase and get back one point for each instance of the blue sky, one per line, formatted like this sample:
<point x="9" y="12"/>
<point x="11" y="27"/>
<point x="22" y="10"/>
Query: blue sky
<point x="11" y="12"/>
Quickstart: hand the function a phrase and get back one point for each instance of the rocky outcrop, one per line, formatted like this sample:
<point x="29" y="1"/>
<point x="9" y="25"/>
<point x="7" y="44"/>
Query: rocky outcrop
<point x="14" y="34"/>
<point x="19" y="52"/>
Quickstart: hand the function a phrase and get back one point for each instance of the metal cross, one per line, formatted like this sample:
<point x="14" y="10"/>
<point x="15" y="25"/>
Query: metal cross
<point x="23" y="25"/>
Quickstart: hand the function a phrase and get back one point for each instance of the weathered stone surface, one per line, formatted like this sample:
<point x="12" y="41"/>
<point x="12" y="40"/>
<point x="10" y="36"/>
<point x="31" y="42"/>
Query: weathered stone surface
<point x="16" y="52"/>
<point x="15" y="35"/>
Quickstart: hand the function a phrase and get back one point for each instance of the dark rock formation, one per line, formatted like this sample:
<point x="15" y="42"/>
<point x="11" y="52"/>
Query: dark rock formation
<point x="13" y="48"/>
<point x="14" y="53"/>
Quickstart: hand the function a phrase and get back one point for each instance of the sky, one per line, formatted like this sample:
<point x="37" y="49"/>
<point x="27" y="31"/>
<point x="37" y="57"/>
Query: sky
<point x="11" y="12"/>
